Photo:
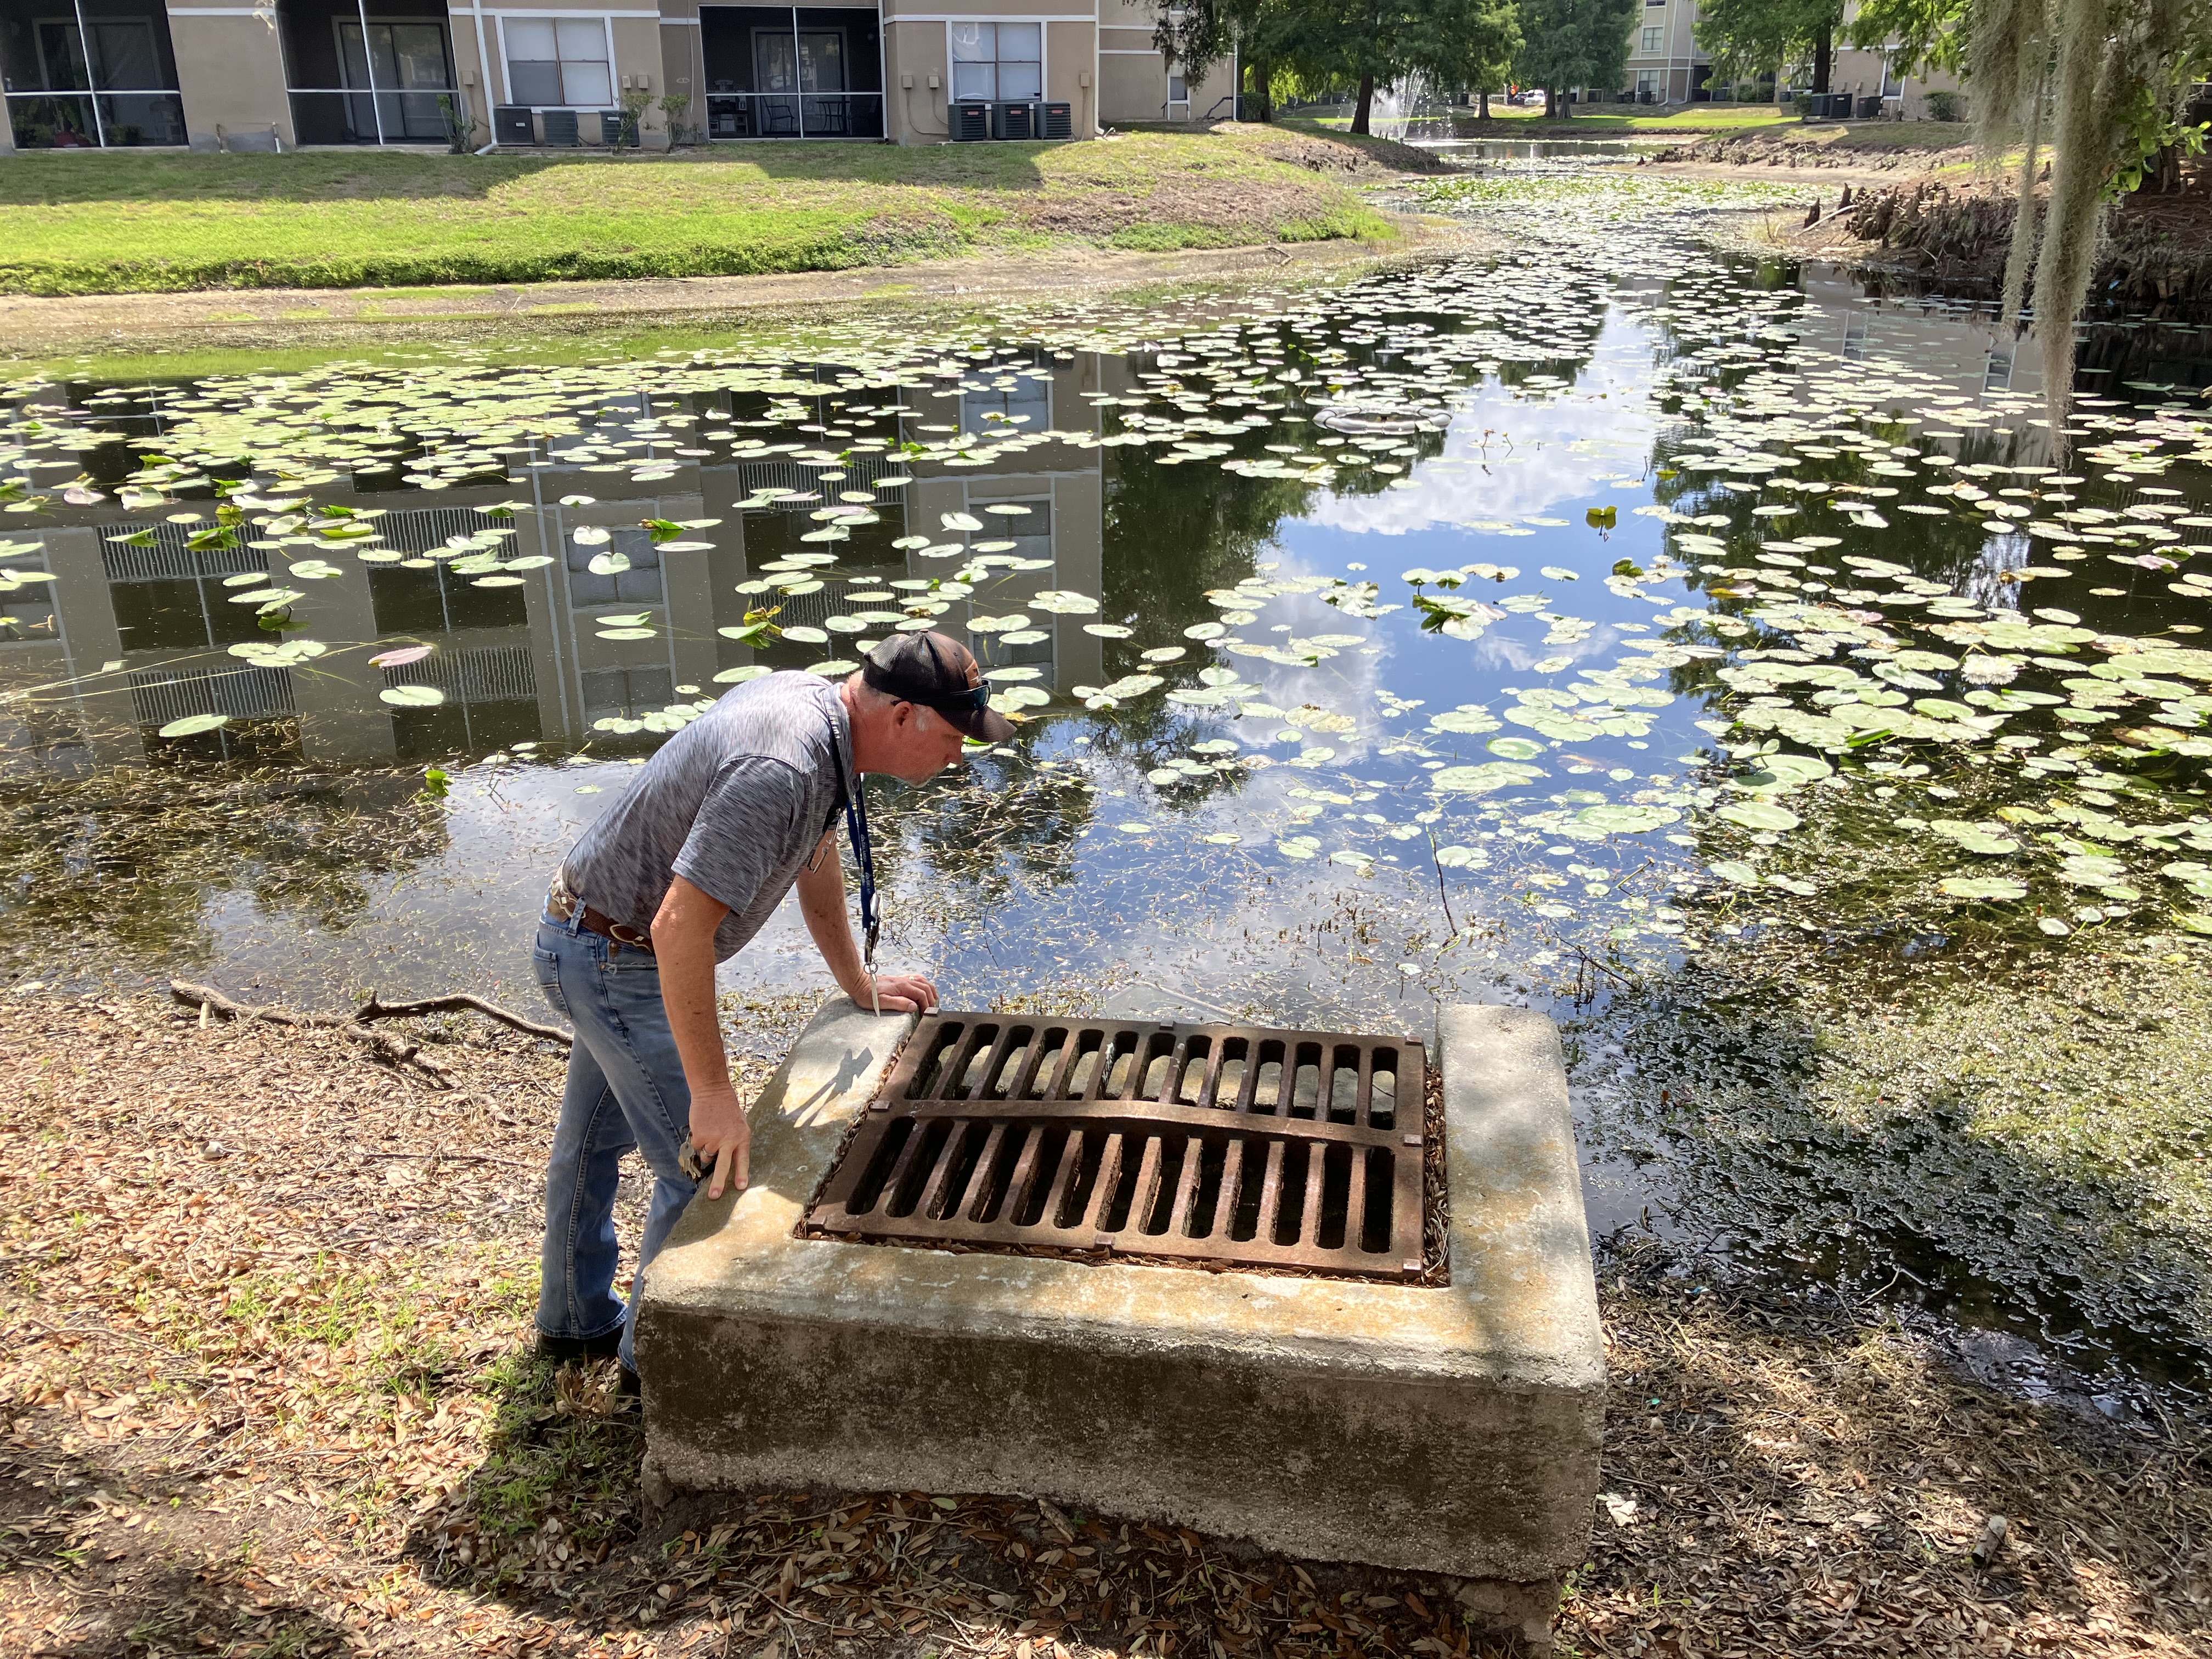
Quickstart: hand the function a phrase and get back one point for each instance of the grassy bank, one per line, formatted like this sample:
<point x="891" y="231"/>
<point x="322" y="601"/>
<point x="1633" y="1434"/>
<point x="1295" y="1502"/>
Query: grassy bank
<point x="129" y="224"/>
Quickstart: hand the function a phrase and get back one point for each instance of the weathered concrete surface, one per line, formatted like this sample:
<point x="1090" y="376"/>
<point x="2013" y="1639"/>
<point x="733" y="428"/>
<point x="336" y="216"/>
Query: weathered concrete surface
<point x="1451" y="1430"/>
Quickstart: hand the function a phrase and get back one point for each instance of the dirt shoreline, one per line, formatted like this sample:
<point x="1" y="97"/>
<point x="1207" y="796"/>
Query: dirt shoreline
<point x="265" y="1388"/>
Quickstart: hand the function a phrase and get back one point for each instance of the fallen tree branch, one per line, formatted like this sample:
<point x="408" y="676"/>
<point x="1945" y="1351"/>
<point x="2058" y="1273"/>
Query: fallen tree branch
<point x="383" y="1044"/>
<point x="375" y="1009"/>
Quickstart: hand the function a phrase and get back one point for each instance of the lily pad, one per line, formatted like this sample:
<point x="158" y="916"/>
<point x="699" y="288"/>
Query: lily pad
<point x="1983" y="887"/>
<point x="192" y="725"/>
<point x="1760" y="815"/>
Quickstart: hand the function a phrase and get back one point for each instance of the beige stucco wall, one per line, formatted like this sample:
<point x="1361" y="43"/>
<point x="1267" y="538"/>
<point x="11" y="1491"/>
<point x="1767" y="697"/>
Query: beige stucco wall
<point x="230" y="71"/>
<point x="1857" y="71"/>
<point x="1918" y="87"/>
<point x="916" y="50"/>
<point x="638" y="68"/>
<point x="683" y="70"/>
<point x="1071" y="72"/>
<point x="1134" y="78"/>
<point x="479" y="91"/>
<point x="642" y="60"/>
<point x="915" y="70"/>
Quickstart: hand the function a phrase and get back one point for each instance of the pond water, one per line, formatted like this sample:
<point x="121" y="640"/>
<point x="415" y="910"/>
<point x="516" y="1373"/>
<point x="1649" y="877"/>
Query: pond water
<point x="1527" y="154"/>
<point x="1714" y="656"/>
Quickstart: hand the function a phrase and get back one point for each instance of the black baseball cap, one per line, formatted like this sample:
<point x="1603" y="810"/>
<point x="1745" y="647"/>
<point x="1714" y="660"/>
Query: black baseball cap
<point x="938" y="672"/>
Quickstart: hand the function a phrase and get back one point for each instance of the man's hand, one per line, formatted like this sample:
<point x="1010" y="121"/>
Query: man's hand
<point x="895" y="994"/>
<point x="720" y="1135"/>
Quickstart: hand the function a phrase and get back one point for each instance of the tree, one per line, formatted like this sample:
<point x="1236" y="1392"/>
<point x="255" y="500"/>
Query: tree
<point x="1573" y="43"/>
<point x="1921" y="34"/>
<point x="1199" y="34"/>
<point x="1759" y="35"/>
<point x="1368" y="43"/>
<point x="1467" y="43"/>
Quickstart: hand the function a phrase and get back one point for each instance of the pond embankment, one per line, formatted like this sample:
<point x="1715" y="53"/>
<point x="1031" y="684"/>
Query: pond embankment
<point x="129" y="224"/>
<point x="283" y="318"/>
<point x="267" y="1390"/>
<point x="2156" y="247"/>
<point x="1912" y="199"/>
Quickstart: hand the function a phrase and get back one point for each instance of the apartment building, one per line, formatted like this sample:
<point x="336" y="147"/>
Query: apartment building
<point x="1874" y="71"/>
<point x="296" y="74"/>
<point x="1665" y="63"/>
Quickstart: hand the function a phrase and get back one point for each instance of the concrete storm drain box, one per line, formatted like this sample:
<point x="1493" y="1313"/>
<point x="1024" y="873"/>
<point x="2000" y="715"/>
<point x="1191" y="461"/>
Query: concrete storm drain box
<point x="965" y="1264"/>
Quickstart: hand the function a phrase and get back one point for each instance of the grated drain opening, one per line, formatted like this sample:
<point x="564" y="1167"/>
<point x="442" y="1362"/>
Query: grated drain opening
<point x="1226" y="1145"/>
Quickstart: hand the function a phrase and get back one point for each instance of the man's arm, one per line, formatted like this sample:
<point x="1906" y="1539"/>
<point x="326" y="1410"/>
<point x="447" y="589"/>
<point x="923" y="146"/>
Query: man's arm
<point x="822" y="901"/>
<point x="684" y="946"/>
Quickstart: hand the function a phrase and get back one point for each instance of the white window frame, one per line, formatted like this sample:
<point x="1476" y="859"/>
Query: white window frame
<point x="1654" y="38"/>
<point x="1044" y="56"/>
<point x="607" y="28"/>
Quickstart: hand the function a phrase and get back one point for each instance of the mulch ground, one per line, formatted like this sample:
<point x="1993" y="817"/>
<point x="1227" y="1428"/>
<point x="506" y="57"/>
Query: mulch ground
<point x="265" y="1389"/>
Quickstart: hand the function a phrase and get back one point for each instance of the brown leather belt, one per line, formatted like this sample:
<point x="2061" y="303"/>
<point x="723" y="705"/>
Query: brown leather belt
<point x="563" y="904"/>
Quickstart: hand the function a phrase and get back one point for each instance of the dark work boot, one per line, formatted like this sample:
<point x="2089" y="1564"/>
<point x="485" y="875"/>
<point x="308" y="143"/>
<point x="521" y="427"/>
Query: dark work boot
<point x="569" y="1350"/>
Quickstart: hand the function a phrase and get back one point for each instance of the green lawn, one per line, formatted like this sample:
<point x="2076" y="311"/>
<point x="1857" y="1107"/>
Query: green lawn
<point x="119" y="222"/>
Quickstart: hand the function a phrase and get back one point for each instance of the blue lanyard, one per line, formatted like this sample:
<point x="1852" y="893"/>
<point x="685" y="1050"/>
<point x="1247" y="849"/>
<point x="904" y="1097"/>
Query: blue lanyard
<point x="856" y="830"/>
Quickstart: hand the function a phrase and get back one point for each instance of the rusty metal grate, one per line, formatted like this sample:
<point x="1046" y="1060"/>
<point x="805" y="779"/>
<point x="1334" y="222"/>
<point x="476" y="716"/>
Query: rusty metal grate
<point x="1220" y="1143"/>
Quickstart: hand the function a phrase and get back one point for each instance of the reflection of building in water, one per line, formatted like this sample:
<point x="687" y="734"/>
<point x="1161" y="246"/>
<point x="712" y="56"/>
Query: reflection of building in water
<point x="128" y="638"/>
<point x="1058" y="487"/>
<point x="1966" y="347"/>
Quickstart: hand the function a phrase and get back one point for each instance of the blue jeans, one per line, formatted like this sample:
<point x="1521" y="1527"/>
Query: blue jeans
<point x="626" y="1089"/>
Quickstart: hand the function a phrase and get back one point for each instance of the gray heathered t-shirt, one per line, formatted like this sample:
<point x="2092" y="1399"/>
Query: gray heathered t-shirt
<point x="734" y="803"/>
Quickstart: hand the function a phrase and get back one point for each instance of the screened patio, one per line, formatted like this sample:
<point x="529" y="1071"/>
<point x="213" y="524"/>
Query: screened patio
<point x="359" y="75"/>
<point x="792" y="71"/>
<point x="89" y="75"/>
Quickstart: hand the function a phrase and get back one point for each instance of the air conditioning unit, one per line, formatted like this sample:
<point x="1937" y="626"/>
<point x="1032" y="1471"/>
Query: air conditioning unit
<point x="560" y="126"/>
<point x="970" y="121"/>
<point x="1013" y="120"/>
<point x="511" y="124"/>
<point x="1056" y="121"/>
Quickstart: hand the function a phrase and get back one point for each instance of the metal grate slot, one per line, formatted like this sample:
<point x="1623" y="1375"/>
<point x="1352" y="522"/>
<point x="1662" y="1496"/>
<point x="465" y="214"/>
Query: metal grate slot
<point x="1282" y="1148"/>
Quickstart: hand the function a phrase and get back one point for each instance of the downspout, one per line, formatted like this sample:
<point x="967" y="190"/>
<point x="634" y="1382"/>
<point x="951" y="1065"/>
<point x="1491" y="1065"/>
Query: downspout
<point x="484" y="65"/>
